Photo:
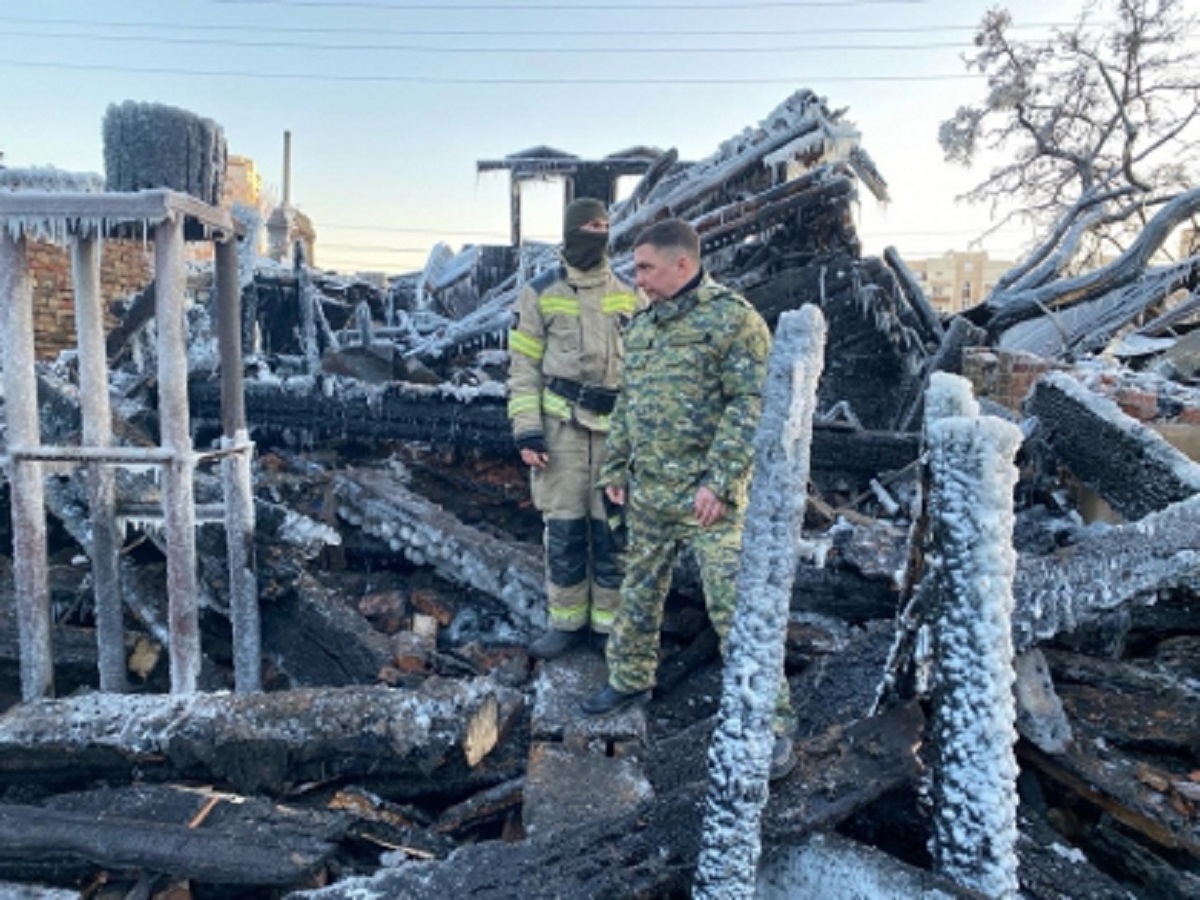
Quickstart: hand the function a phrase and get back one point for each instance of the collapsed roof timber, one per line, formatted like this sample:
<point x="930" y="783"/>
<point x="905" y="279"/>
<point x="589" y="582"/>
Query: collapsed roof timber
<point x="403" y="744"/>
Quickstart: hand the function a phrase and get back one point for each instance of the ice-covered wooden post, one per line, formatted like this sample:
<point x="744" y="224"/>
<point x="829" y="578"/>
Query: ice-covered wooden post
<point x="972" y="728"/>
<point x="235" y="473"/>
<point x="179" y="511"/>
<point x="23" y="434"/>
<point x="740" y="755"/>
<point x="97" y="433"/>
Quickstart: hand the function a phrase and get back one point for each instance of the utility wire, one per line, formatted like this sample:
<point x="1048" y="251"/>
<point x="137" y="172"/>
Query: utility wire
<point x="437" y="79"/>
<point x="685" y="6"/>
<point x="527" y="33"/>
<point x="478" y="50"/>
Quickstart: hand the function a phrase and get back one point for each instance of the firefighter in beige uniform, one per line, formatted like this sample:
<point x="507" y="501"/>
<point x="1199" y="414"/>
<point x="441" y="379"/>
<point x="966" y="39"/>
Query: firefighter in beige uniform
<point x="565" y="356"/>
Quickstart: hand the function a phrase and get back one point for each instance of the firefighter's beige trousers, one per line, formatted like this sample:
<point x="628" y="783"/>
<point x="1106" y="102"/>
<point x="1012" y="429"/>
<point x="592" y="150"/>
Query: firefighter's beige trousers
<point x="583" y="570"/>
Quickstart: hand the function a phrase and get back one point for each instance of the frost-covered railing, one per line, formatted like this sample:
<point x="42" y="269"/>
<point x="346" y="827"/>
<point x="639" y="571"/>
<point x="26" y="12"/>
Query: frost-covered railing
<point x="37" y="210"/>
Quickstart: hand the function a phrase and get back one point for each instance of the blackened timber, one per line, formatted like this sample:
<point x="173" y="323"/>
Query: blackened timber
<point x="393" y="413"/>
<point x="246" y="856"/>
<point x="384" y="507"/>
<point x="441" y="419"/>
<point x="1128" y="464"/>
<point x="652" y="852"/>
<point x="315" y="639"/>
<point x="262" y="742"/>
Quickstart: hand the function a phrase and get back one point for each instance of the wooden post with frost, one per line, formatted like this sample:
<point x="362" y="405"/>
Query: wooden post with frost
<point x="740" y="756"/>
<point x="972" y="727"/>
<point x="30" y="574"/>
<point x="179" y="513"/>
<point x="105" y="549"/>
<point x="236" y="476"/>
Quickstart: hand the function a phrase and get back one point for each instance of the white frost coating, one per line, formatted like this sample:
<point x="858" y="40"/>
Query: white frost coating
<point x="972" y="728"/>
<point x="48" y="179"/>
<point x="949" y="395"/>
<point x="1151" y="443"/>
<point x="301" y="531"/>
<point x="826" y="867"/>
<point x="739" y="757"/>
<point x="799" y="115"/>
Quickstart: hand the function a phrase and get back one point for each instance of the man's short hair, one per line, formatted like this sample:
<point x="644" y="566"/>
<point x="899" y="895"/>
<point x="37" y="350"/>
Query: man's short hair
<point x="671" y="234"/>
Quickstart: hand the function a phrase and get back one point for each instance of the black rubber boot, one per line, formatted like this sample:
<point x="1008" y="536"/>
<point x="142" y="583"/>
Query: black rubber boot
<point x="609" y="700"/>
<point x="554" y="643"/>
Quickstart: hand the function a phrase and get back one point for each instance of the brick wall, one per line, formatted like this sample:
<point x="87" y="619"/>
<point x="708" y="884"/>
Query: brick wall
<point x="1003" y="376"/>
<point x="1007" y="376"/>
<point x="126" y="267"/>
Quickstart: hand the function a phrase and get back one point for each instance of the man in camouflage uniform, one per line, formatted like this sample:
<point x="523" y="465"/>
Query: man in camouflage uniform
<point x="565" y="356"/>
<point x="680" y="450"/>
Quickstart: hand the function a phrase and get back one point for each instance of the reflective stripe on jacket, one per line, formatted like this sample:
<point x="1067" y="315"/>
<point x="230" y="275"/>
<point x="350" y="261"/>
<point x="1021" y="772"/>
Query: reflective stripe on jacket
<point x="569" y="325"/>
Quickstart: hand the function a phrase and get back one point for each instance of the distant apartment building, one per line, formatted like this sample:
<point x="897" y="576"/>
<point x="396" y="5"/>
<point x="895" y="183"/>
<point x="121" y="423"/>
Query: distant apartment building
<point x="243" y="185"/>
<point x="958" y="279"/>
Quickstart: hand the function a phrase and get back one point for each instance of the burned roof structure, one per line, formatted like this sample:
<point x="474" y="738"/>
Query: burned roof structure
<point x="989" y="592"/>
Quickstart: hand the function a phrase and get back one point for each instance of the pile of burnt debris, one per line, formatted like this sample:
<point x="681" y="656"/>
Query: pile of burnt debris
<point x="403" y="742"/>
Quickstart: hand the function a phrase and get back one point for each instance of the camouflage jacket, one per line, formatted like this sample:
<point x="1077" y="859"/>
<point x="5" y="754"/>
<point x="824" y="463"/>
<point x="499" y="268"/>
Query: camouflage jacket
<point x="690" y="399"/>
<point x="569" y="325"/>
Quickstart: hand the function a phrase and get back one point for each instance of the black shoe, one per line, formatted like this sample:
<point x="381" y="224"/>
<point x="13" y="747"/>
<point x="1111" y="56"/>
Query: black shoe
<point x="783" y="758"/>
<point x="555" y="643"/>
<point x="609" y="700"/>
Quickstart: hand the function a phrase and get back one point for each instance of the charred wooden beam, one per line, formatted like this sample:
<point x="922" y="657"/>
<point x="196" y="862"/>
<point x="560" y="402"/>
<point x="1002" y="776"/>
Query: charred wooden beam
<point x="1082" y="582"/>
<point x="316" y="640"/>
<point x="653" y="851"/>
<point x="57" y="839"/>
<point x="1128" y="464"/>
<point x="972" y="726"/>
<point x="740" y="754"/>
<point x="254" y="742"/>
<point x="384" y="507"/>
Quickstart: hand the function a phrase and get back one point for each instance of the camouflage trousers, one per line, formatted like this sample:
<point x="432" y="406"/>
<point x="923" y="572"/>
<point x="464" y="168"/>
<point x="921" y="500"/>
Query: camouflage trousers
<point x="583" y="568"/>
<point x="655" y="539"/>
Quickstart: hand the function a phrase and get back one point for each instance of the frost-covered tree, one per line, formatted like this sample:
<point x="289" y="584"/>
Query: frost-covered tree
<point x="1098" y="126"/>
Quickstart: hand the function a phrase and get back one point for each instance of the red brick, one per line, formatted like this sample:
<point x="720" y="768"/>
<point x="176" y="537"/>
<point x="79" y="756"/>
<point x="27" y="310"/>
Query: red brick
<point x="1141" y="405"/>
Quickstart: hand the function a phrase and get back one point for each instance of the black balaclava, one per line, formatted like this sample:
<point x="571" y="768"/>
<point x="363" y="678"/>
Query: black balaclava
<point x="584" y="249"/>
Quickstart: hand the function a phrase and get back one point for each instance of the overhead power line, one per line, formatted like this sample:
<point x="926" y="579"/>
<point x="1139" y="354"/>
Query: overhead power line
<point x="527" y="50"/>
<point x="438" y="79"/>
<point x="530" y="33"/>
<point x="683" y="6"/>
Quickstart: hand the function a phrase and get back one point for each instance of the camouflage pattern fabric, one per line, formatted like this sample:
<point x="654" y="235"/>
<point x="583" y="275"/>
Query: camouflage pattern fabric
<point x="691" y="398"/>
<point x="690" y="402"/>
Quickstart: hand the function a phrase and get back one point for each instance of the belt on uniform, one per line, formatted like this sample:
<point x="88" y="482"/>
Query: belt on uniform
<point x="592" y="397"/>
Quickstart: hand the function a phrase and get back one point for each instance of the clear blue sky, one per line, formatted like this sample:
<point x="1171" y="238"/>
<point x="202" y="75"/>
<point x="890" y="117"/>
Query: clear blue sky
<point x="390" y="102"/>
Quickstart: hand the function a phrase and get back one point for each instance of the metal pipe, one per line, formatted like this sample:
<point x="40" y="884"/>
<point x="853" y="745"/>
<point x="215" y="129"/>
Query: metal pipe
<point x="97" y="434"/>
<point x="287" y="169"/>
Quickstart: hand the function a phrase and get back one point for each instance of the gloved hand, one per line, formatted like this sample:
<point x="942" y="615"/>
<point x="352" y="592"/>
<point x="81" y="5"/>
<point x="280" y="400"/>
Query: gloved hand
<point x="533" y="440"/>
<point x="533" y="450"/>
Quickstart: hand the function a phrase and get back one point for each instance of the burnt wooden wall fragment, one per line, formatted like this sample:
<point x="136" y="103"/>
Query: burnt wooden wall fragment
<point x="1127" y="463"/>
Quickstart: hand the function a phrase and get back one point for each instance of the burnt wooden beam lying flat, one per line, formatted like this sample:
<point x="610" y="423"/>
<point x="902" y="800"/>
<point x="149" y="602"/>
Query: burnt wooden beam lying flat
<point x="1061" y="591"/>
<point x="256" y="742"/>
<point x="1129" y="465"/>
<point x="441" y="419"/>
<point x="36" y="837"/>
<point x="384" y="507"/>
<point x="653" y="851"/>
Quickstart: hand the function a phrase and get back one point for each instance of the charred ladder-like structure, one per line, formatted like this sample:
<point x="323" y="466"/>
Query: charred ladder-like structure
<point x="741" y="749"/>
<point x="972" y="729"/>
<point x="81" y="219"/>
